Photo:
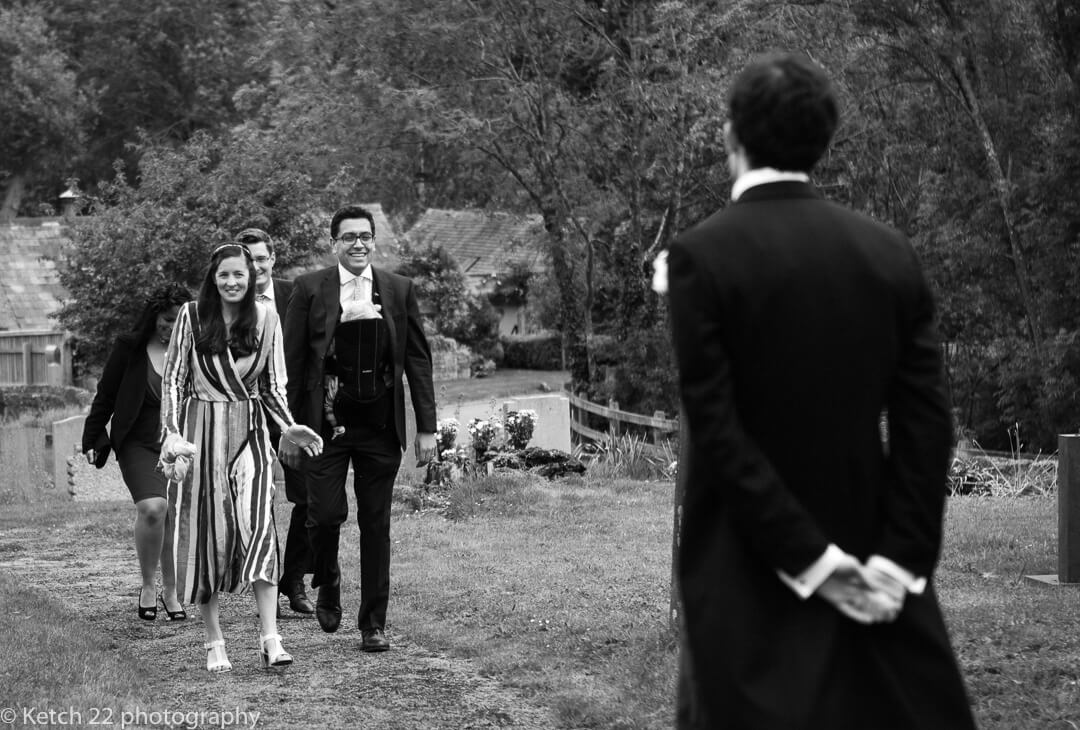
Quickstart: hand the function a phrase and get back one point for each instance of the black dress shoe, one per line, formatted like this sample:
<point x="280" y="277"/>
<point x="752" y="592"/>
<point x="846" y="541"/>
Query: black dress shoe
<point x="374" y="640"/>
<point x="328" y="608"/>
<point x="298" y="600"/>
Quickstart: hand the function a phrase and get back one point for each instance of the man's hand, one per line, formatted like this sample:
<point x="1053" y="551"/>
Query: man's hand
<point x="886" y="583"/>
<point x="851" y="592"/>
<point x="425" y="448"/>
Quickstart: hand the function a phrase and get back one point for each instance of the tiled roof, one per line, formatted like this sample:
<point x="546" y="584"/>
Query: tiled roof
<point x="30" y="288"/>
<point x="483" y="244"/>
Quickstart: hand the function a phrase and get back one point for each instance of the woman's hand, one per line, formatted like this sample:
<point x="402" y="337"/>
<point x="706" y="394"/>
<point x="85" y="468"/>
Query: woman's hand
<point x="304" y="438"/>
<point x="91" y="456"/>
<point x="176" y="457"/>
<point x="174" y="446"/>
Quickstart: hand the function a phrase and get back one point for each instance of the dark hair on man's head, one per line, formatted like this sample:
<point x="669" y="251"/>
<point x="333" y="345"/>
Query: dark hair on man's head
<point x="250" y="236"/>
<point x="211" y="338"/>
<point x="161" y="299"/>
<point x="347" y="212"/>
<point x="783" y="112"/>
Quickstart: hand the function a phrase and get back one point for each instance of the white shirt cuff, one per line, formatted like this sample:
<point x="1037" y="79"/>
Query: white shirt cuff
<point x="808" y="581"/>
<point x="913" y="584"/>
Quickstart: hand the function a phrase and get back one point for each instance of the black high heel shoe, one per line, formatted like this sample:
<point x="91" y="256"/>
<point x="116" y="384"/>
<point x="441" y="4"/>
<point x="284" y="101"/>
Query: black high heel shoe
<point x="173" y="615"/>
<point x="147" y="613"/>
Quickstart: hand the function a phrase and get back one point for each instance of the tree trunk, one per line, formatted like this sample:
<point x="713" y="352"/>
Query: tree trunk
<point x="1001" y="188"/>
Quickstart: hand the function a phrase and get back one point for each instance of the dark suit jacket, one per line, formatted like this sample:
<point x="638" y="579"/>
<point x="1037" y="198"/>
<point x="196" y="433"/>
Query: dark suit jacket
<point x="282" y="293"/>
<point x="796" y="322"/>
<point x="309" y="329"/>
<point x="119" y="396"/>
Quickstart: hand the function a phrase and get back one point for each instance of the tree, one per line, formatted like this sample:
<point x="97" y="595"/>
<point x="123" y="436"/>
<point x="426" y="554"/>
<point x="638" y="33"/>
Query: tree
<point x="455" y="312"/>
<point x="987" y="106"/>
<point x="106" y="71"/>
<point x="42" y="108"/>
<point x="190" y="200"/>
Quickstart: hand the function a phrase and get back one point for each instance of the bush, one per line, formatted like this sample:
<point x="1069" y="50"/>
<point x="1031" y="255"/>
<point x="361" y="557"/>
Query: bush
<point x="532" y="352"/>
<point x="22" y="400"/>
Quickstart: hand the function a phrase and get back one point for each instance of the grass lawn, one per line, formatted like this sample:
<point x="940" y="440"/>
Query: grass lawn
<point x="1017" y="640"/>
<point x="561" y="591"/>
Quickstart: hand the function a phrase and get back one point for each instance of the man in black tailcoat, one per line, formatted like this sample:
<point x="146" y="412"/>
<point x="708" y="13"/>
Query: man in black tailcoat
<point x="352" y="332"/>
<point x="808" y="540"/>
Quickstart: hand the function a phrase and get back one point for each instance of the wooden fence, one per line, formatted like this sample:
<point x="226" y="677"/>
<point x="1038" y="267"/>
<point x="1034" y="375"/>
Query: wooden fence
<point x="658" y="427"/>
<point x="35" y="357"/>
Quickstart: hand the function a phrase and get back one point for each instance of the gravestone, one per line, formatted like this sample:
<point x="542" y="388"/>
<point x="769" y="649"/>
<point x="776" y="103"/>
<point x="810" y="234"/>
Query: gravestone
<point x="24" y="476"/>
<point x="1068" y="496"/>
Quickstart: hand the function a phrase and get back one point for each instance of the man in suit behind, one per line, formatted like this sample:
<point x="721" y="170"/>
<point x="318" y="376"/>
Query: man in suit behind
<point x="351" y="332"/>
<point x="276" y="292"/>
<point x="808" y="545"/>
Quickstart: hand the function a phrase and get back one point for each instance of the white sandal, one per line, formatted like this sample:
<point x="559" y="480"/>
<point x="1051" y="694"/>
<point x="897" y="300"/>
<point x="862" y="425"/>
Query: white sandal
<point x="275" y="656"/>
<point x="216" y="659"/>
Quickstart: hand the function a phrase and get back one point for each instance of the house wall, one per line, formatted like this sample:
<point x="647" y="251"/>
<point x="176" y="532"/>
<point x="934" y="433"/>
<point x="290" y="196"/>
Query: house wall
<point x="511" y="316"/>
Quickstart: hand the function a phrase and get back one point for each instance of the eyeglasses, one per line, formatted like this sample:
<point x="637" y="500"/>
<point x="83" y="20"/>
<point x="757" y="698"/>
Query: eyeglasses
<point x="261" y="260"/>
<point x="350" y="238"/>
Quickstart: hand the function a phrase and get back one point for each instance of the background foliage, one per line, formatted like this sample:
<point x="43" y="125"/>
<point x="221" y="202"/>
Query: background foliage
<point x="961" y="126"/>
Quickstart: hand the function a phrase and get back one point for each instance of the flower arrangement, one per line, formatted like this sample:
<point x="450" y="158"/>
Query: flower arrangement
<point x="483" y="434"/>
<point x="519" y="428"/>
<point x="446" y="432"/>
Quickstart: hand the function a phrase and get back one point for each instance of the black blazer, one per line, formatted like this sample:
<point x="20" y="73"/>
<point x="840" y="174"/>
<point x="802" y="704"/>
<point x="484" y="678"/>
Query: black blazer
<point x="310" y="322"/>
<point x="282" y="291"/>
<point x="119" y="396"/>
<point x="796" y="323"/>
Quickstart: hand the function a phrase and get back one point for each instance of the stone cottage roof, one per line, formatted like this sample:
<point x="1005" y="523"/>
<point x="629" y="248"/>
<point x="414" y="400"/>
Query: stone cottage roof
<point x="30" y="288"/>
<point x="483" y="244"/>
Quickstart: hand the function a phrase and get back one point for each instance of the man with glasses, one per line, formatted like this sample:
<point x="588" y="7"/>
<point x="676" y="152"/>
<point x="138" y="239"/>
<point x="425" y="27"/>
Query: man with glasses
<point x="352" y="331"/>
<point x="276" y="293"/>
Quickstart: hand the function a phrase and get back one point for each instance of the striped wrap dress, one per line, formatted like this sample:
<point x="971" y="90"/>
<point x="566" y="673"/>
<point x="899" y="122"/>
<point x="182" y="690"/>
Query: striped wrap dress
<point x="223" y="512"/>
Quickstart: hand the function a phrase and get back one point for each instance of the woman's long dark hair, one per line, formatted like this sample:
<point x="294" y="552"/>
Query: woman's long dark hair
<point x="211" y="339"/>
<point x="161" y="299"/>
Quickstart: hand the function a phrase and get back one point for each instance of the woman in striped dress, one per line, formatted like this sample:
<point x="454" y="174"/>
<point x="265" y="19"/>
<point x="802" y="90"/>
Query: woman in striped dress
<point x="224" y="377"/>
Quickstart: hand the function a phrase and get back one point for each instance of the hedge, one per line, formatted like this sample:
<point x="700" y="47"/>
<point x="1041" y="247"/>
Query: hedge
<point x="532" y="352"/>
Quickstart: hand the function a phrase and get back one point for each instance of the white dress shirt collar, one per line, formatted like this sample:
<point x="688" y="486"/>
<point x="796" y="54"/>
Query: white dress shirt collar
<point x="762" y="176"/>
<point x="268" y="294"/>
<point x="347" y="276"/>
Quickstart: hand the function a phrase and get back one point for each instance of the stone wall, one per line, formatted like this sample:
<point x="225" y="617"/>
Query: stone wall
<point x="450" y="359"/>
<point x="26" y="469"/>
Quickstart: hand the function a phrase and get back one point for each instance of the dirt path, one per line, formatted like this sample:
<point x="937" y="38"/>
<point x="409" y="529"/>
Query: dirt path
<point x="332" y="684"/>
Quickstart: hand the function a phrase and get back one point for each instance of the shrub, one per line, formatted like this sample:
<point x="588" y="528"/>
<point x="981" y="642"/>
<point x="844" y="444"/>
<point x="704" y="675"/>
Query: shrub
<point x="34" y="400"/>
<point x="532" y="352"/>
<point x="981" y="474"/>
<point x="628" y="456"/>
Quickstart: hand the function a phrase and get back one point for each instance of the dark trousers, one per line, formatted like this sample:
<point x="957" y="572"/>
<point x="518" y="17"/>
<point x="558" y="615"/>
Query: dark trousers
<point x="298" y="560"/>
<point x="375" y="456"/>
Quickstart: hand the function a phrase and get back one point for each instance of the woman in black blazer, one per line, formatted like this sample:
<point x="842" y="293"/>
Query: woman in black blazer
<point x="129" y="393"/>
